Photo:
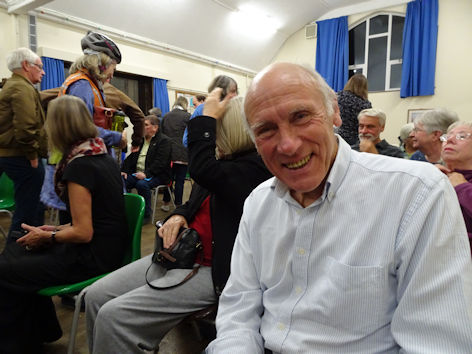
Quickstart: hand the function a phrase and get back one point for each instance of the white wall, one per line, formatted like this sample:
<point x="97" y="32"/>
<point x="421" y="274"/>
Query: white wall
<point x="453" y="67"/>
<point x="62" y="41"/>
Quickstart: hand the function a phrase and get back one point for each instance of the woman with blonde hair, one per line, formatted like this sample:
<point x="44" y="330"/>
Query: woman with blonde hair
<point x="88" y="180"/>
<point x="122" y="311"/>
<point x="351" y="100"/>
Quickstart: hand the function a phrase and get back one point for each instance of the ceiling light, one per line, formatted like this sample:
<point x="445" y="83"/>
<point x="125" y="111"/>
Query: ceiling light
<point x="254" y="22"/>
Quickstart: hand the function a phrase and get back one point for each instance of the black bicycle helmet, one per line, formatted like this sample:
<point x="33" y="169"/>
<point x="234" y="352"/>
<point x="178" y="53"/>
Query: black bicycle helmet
<point x="101" y="43"/>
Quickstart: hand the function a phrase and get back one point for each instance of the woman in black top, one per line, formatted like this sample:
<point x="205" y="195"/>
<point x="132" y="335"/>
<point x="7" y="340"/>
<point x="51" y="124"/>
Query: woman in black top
<point x="89" y="182"/>
<point x="351" y="101"/>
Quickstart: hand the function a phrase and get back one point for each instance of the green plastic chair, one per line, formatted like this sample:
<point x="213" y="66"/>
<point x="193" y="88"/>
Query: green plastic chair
<point x="7" y="197"/>
<point x="134" y="205"/>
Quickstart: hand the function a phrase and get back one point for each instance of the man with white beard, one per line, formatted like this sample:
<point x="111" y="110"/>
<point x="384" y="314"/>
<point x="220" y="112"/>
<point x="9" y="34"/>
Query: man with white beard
<point x="371" y="124"/>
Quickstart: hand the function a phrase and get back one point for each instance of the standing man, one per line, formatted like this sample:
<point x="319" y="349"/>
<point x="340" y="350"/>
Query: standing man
<point x="173" y="125"/>
<point x="22" y="138"/>
<point x="371" y="124"/>
<point x="150" y="165"/>
<point x="340" y="252"/>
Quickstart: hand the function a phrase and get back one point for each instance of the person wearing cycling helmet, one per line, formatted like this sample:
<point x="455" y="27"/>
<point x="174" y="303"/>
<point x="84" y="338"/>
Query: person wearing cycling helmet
<point x="89" y="73"/>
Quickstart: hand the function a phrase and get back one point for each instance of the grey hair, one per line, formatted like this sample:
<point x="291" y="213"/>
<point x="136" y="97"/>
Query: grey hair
<point x="18" y="56"/>
<point x="437" y="120"/>
<point x="372" y="112"/>
<point x="328" y="95"/>
<point x="459" y="123"/>
<point x="405" y="131"/>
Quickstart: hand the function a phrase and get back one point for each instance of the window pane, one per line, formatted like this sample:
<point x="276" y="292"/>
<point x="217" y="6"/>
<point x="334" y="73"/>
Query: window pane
<point x="378" y="24"/>
<point x="357" y="44"/>
<point x="397" y="37"/>
<point x="354" y="71"/>
<point x="395" y="76"/>
<point x="128" y="86"/>
<point x="377" y="64"/>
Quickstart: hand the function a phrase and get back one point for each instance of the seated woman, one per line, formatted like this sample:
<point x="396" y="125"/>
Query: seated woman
<point x="89" y="182"/>
<point x="123" y="313"/>
<point x="457" y="155"/>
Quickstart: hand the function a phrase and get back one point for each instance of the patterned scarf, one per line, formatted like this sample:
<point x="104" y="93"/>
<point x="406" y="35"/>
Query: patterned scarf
<point x="88" y="147"/>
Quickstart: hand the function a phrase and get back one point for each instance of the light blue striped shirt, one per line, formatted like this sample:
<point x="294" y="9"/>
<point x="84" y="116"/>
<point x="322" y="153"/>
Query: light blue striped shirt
<point x="379" y="264"/>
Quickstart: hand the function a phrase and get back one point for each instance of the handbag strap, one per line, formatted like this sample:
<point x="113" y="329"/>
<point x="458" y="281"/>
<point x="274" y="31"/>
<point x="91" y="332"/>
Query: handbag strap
<point x="189" y="275"/>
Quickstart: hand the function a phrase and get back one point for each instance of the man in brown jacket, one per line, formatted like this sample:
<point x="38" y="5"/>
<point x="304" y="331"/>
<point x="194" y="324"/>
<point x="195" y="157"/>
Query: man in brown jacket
<point x="22" y="138"/>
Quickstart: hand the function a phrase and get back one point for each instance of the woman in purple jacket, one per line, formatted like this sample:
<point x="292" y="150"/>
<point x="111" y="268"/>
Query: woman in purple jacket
<point x="457" y="155"/>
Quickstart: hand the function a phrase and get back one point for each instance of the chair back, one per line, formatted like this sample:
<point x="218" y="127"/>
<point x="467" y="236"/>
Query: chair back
<point x="134" y="207"/>
<point x="7" y="193"/>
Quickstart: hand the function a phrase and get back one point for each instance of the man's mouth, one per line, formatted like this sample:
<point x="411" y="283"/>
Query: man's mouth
<point x="298" y="164"/>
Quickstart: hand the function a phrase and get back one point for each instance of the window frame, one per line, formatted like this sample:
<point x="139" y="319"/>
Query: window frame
<point x="368" y="36"/>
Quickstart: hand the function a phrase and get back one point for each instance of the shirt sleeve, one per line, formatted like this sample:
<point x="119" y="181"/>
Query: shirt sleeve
<point x="240" y="306"/>
<point x="197" y="112"/>
<point x="82" y="89"/>
<point x="464" y="193"/>
<point x="433" y="267"/>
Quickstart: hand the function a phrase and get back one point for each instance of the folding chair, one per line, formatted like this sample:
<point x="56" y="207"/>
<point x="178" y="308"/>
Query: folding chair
<point x="155" y="195"/>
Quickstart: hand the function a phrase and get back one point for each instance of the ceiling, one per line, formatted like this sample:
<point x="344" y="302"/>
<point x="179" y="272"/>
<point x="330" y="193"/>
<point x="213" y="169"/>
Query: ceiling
<point x="203" y="28"/>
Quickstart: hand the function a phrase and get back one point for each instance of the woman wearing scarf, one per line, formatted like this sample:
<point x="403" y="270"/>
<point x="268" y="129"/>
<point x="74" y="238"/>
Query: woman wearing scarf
<point x="88" y="180"/>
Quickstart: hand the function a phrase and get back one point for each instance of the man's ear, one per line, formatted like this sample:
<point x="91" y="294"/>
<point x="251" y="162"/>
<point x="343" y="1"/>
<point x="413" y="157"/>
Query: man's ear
<point x="25" y="65"/>
<point x="336" y="115"/>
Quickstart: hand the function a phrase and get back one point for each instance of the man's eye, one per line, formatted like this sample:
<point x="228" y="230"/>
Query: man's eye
<point x="263" y="132"/>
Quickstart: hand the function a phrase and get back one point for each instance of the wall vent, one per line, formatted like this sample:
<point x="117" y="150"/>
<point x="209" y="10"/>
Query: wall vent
<point x="310" y="31"/>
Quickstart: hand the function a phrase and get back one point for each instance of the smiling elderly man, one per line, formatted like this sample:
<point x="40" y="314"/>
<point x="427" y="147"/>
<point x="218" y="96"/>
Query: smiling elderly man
<point x="341" y="252"/>
<point x="371" y="125"/>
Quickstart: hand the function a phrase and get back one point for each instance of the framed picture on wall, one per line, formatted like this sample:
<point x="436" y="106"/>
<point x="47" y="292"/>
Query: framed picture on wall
<point x="415" y="113"/>
<point x="189" y="96"/>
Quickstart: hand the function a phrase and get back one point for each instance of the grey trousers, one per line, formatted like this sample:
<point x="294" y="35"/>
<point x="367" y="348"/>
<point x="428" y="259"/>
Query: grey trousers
<point x="124" y="314"/>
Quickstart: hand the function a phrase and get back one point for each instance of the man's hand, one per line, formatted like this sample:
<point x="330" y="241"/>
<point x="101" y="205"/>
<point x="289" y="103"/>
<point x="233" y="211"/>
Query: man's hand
<point x="134" y="148"/>
<point x="124" y="140"/>
<point x="366" y="145"/>
<point x="125" y="175"/>
<point x="213" y="106"/>
<point x="170" y="230"/>
<point x="140" y="175"/>
<point x="34" y="163"/>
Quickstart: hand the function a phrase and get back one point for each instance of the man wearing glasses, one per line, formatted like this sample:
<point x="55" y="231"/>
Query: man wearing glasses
<point x="22" y="138"/>
<point x="427" y="132"/>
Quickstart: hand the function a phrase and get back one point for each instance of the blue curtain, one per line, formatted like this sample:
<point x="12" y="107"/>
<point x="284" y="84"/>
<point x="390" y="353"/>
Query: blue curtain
<point x="332" y="51"/>
<point x="161" y="97"/>
<point x="54" y="69"/>
<point x="420" y="35"/>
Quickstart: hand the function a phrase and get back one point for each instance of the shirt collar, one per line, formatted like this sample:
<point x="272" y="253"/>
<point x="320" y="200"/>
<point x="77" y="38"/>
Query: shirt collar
<point x="333" y="182"/>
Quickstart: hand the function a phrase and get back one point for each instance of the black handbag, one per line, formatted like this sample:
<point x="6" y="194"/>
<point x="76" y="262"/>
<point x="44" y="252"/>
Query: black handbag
<point x="180" y="255"/>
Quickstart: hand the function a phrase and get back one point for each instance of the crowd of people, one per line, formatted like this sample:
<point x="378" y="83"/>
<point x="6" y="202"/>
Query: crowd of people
<point x="318" y="235"/>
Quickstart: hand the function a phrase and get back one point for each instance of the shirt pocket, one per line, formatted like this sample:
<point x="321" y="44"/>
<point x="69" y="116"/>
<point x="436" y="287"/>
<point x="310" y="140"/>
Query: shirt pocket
<point x="353" y="297"/>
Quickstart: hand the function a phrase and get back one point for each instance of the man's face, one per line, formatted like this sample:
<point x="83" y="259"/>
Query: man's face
<point x="422" y="138"/>
<point x="370" y="128"/>
<point x="149" y="129"/>
<point x="293" y="133"/>
<point x="35" y="71"/>
<point x="109" y="71"/>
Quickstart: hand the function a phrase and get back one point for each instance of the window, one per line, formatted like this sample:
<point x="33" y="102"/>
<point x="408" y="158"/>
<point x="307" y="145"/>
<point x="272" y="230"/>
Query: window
<point x="375" y="50"/>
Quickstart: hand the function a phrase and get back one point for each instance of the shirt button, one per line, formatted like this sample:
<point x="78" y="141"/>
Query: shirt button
<point x="206" y="135"/>
<point x="298" y="290"/>
<point x="280" y="326"/>
<point x="301" y="251"/>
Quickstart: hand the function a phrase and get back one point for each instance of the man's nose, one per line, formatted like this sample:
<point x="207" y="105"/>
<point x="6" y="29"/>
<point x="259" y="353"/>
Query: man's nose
<point x="289" y="142"/>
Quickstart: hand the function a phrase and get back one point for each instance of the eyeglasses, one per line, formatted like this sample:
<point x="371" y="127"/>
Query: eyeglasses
<point x="458" y="136"/>
<point x="39" y="66"/>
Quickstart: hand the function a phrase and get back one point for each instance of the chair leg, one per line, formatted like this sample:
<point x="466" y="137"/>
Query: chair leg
<point x="171" y="196"/>
<point x="75" y="320"/>
<point x="154" y="195"/>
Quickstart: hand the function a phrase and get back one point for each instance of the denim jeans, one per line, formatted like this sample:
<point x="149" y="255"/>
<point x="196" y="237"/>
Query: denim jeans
<point x="27" y="182"/>
<point x="179" y="171"/>
<point x="144" y="189"/>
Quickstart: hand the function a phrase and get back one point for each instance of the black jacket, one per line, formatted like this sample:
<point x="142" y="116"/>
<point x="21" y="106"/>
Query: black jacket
<point x="157" y="159"/>
<point x="228" y="182"/>
<point x="173" y="125"/>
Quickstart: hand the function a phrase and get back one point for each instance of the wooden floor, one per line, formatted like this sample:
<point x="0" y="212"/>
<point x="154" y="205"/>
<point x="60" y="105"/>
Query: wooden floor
<point x="181" y="340"/>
